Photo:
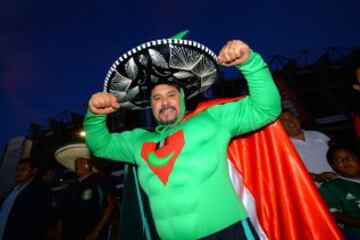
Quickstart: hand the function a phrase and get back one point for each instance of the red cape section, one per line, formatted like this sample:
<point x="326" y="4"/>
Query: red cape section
<point x="288" y="203"/>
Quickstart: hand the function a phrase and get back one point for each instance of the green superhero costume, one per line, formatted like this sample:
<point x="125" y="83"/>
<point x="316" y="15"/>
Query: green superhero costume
<point x="183" y="167"/>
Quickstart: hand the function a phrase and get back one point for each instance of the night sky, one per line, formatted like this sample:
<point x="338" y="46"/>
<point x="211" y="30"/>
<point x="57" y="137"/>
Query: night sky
<point x="54" y="54"/>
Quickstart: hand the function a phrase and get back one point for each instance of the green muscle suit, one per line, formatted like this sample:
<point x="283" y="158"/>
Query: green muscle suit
<point x="186" y="179"/>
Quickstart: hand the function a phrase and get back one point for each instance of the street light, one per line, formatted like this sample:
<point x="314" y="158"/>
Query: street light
<point x="82" y="133"/>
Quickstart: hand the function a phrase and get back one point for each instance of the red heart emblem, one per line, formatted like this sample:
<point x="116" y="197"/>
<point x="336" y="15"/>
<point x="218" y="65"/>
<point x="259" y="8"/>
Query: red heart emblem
<point x="161" y="161"/>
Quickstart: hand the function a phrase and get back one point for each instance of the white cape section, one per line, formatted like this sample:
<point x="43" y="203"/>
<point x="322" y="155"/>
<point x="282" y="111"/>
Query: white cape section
<point x="246" y="198"/>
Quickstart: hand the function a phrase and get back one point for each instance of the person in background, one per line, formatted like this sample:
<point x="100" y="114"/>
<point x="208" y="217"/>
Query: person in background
<point x="356" y="87"/>
<point x="86" y="207"/>
<point x="311" y="146"/>
<point x="25" y="210"/>
<point x="342" y="194"/>
<point x="49" y="176"/>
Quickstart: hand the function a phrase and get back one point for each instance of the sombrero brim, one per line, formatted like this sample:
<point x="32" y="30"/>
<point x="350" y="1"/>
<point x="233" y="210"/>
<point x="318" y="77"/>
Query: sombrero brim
<point x="189" y="64"/>
<point x="67" y="155"/>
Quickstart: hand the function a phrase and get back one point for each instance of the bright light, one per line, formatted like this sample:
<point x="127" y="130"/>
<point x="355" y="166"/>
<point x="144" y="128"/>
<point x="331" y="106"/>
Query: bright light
<point x="82" y="133"/>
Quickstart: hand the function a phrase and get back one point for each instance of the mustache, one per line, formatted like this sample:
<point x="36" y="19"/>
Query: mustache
<point x="166" y="108"/>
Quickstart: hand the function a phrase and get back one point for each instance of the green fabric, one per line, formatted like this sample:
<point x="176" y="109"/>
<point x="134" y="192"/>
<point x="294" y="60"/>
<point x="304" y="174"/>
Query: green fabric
<point x="198" y="199"/>
<point x="180" y="35"/>
<point x="343" y="195"/>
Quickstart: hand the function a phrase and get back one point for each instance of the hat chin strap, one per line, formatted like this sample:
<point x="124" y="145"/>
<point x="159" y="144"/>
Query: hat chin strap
<point x="162" y="128"/>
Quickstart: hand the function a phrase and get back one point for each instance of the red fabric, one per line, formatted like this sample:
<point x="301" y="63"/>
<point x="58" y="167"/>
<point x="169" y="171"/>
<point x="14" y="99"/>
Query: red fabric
<point x="288" y="203"/>
<point x="173" y="144"/>
<point x="357" y="125"/>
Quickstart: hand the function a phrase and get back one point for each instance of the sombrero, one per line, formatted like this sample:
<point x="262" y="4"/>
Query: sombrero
<point x="67" y="155"/>
<point x="187" y="63"/>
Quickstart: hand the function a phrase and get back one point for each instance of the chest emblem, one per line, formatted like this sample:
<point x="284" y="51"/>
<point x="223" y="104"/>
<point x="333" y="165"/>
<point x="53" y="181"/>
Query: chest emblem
<point x="86" y="194"/>
<point x="349" y="196"/>
<point x="161" y="160"/>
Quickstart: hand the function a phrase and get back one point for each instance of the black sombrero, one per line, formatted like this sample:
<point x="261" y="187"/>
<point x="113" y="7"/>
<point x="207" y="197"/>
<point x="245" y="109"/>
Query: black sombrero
<point x="189" y="64"/>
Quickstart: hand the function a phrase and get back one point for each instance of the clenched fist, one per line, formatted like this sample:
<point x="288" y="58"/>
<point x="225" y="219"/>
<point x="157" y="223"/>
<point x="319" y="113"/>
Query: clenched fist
<point x="234" y="52"/>
<point x="103" y="103"/>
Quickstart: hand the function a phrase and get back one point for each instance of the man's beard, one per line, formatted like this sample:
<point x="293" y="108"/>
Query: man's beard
<point x="167" y="122"/>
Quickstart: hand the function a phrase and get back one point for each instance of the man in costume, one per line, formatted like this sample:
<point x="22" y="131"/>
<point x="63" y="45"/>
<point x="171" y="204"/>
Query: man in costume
<point x="182" y="165"/>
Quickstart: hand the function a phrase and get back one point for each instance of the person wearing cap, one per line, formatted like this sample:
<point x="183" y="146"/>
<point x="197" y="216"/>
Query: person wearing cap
<point x="86" y="208"/>
<point x="182" y="164"/>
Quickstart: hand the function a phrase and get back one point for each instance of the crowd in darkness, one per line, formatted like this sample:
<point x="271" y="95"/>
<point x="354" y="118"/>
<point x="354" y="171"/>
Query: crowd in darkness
<point x="39" y="207"/>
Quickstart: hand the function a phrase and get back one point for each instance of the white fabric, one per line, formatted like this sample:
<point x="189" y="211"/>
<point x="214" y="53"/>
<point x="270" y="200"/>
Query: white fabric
<point x="246" y="198"/>
<point x="313" y="151"/>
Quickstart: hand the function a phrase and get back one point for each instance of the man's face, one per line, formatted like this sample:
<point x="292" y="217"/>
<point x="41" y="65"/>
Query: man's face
<point x="165" y="103"/>
<point x="24" y="172"/>
<point x="346" y="163"/>
<point x="291" y="123"/>
<point x="82" y="167"/>
<point x="50" y="177"/>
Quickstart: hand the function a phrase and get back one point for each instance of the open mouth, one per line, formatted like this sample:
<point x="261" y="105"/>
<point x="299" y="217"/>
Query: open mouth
<point x="167" y="109"/>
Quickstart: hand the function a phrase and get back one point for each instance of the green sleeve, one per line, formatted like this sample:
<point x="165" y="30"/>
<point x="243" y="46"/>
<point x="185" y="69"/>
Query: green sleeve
<point x="115" y="146"/>
<point x="261" y="107"/>
<point x="328" y="193"/>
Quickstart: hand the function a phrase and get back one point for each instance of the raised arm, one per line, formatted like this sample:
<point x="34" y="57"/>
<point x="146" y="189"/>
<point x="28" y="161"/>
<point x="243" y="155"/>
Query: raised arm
<point x="115" y="146"/>
<point x="262" y="106"/>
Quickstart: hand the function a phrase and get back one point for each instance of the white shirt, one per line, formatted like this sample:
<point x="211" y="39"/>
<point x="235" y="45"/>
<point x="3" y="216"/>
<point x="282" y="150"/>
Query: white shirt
<point x="313" y="151"/>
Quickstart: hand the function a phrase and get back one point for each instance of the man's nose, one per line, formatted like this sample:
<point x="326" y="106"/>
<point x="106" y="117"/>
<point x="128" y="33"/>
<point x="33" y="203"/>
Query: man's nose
<point x="165" y="101"/>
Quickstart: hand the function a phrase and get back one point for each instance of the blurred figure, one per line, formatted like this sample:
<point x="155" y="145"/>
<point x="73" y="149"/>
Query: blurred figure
<point x="356" y="87"/>
<point x="342" y="195"/>
<point x="49" y="176"/>
<point x="311" y="146"/>
<point x="24" y="212"/>
<point x="86" y="207"/>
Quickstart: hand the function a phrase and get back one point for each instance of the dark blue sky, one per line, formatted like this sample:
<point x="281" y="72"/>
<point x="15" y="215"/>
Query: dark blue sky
<point x="54" y="54"/>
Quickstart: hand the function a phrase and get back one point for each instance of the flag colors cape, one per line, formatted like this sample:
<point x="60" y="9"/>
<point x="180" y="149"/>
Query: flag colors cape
<point x="276" y="189"/>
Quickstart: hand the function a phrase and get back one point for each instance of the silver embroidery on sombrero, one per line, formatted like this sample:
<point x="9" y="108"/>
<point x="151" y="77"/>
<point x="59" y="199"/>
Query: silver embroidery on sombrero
<point x="131" y="68"/>
<point x="158" y="59"/>
<point x="143" y="60"/>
